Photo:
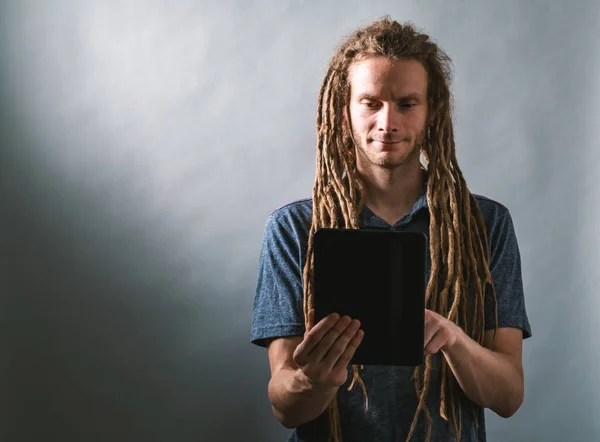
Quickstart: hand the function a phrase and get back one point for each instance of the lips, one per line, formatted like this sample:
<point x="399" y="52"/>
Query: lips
<point x="387" y="142"/>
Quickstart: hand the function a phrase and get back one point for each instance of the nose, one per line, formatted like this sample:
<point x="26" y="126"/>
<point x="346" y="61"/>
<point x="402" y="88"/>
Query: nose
<point x="387" y="120"/>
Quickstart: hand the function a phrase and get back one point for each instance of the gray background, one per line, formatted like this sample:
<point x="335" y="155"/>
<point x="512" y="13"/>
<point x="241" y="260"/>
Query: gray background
<point x="144" y="144"/>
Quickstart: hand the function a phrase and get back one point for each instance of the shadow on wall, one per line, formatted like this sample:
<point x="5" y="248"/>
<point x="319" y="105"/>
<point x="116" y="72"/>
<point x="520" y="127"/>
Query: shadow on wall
<point x="105" y="333"/>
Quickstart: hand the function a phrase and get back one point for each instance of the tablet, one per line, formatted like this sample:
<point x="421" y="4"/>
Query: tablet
<point x="377" y="277"/>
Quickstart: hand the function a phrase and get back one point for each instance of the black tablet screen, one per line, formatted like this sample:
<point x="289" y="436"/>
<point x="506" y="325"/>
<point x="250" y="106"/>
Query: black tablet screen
<point x="377" y="277"/>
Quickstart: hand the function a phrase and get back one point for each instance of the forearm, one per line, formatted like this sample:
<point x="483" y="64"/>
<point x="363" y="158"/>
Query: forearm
<point x="294" y="400"/>
<point x="490" y="379"/>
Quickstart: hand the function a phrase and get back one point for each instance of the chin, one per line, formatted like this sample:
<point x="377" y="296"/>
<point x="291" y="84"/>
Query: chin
<point x="392" y="159"/>
<point x="399" y="155"/>
<point x="388" y="163"/>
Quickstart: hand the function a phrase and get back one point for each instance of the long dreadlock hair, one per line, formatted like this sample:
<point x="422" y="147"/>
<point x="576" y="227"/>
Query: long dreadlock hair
<point x="457" y="235"/>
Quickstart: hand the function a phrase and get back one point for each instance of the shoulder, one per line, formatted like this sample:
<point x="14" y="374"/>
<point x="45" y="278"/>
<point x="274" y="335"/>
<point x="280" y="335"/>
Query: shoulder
<point x="297" y="209"/>
<point x="290" y="224"/>
<point x="489" y="206"/>
<point x="294" y="216"/>
<point x="494" y="213"/>
<point x="500" y="228"/>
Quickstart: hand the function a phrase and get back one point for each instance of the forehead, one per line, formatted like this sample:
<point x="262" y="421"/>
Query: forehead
<point x="384" y="78"/>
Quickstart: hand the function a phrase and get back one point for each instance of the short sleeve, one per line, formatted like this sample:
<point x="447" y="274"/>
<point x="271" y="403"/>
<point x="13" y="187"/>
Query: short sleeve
<point x="505" y="267"/>
<point x="278" y="300"/>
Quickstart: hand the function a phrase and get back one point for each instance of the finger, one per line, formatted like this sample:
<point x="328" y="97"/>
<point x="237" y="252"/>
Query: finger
<point x="320" y="350"/>
<point x="339" y="346"/>
<point x="346" y="357"/>
<point x="437" y="342"/>
<point x="431" y="328"/>
<point x="429" y="334"/>
<point x="314" y="336"/>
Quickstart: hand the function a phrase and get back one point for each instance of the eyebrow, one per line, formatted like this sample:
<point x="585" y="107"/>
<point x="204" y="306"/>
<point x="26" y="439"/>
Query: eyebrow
<point x="408" y="97"/>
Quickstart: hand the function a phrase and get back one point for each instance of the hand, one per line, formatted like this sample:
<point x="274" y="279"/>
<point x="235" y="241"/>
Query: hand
<point x="440" y="333"/>
<point x="327" y="348"/>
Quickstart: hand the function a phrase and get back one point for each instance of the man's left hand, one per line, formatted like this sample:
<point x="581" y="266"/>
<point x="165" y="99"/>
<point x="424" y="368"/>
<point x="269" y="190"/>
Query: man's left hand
<point x="440" y="333"/>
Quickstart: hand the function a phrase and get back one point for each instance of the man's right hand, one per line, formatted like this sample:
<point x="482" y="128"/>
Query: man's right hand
<point x="327" y="348"/>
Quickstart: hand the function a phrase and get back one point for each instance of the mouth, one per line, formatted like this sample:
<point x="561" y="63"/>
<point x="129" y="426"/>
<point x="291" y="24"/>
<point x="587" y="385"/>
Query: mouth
<point x="386" y="143"/>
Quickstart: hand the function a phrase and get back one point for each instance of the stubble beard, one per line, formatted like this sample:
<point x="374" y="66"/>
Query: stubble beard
<point x="397" y="159"/>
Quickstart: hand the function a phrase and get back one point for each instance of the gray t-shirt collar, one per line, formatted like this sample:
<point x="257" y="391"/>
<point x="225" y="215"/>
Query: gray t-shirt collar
<point x="368" y="219"/>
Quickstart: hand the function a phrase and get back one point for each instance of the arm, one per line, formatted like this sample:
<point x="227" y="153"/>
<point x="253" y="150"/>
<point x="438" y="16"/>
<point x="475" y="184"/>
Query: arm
<point x="492" y="378"/>
<point x="307" y="372"/>
<point x="293" y="398"/>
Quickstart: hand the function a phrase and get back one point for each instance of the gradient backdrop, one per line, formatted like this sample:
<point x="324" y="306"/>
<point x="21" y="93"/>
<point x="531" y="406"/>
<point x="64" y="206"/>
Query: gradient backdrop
<point x="144" y="144"/>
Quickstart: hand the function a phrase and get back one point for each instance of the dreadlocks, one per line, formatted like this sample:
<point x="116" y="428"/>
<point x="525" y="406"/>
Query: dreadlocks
<point x="457" y="235"/>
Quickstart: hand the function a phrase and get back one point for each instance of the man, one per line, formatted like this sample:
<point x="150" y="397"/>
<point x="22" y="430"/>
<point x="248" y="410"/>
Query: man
<point x="386" y="159"/>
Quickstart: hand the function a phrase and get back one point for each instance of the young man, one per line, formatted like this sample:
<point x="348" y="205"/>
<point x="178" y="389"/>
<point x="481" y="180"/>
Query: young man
<point x="386" y="159"/>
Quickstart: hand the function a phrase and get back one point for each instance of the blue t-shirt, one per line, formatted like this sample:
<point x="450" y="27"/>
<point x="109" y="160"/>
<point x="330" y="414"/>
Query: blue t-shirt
<point x="278" y="312"/>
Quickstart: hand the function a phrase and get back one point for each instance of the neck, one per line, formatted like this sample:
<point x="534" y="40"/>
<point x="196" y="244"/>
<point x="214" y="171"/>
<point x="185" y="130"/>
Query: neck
<point x="392" y="193"/>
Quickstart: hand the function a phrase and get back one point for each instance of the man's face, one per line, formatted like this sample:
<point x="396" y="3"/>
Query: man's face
<point x="388" y="110"/>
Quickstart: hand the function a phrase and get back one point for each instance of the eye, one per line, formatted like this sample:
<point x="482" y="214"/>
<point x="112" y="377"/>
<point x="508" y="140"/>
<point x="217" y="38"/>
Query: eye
<point x="369" y="104"/>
